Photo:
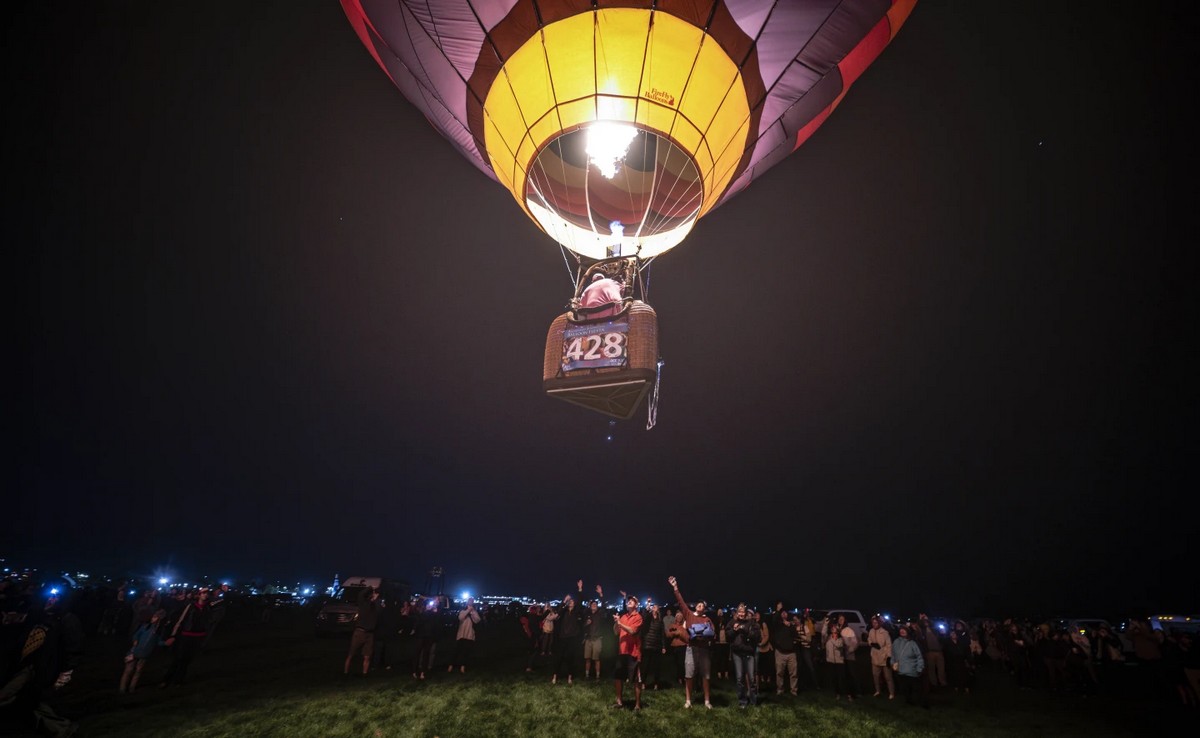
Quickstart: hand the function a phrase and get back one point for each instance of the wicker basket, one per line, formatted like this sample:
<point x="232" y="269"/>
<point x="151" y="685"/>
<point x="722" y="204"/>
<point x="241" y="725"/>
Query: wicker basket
<point x="613" y="390"/>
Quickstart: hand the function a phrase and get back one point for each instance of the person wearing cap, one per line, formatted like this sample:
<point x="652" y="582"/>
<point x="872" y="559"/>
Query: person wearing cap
<point x="698" y="657"/>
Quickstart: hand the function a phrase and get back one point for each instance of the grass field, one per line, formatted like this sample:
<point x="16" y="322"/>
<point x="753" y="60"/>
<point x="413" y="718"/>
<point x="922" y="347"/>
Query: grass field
<point x="278" y="680"/>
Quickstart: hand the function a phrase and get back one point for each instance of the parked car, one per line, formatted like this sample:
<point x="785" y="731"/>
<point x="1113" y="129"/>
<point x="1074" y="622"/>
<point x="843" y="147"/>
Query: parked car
<point x="340" y="612"/>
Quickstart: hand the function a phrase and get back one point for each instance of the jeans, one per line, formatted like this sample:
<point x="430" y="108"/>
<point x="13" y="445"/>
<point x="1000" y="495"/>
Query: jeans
<point x="745" y="673"/>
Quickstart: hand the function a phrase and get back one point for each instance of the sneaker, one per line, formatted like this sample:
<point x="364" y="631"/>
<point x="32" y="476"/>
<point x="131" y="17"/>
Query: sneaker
<point x="891" y="696"/>
<point x="707" y="705"/>
<point x="617" y="706"/>
<point x="687" y="704"/>
<point x="554" y="679"/>
<point x="875" y="695"/>
<point x="570" y="680"/>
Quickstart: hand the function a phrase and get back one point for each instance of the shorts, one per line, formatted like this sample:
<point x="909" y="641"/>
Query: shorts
<point x="628" y="668"/>
<point x="697" y="662"/>
<point x="591" y="648"/>
<point x="364" y="640"/>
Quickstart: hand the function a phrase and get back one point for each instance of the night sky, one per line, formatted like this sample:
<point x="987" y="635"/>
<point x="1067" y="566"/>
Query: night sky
<point x="269" y="324"/>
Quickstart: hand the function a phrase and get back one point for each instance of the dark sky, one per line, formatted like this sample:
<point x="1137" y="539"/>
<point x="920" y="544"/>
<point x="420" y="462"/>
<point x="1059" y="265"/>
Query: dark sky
<point x="269" y="323"/>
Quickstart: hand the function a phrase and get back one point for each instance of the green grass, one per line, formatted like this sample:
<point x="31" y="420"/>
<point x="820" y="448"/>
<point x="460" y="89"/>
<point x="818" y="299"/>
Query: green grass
<point x="277" y="680"/>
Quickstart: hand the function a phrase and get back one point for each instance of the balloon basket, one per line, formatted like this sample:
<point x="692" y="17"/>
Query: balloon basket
<point x="604" y="364"/>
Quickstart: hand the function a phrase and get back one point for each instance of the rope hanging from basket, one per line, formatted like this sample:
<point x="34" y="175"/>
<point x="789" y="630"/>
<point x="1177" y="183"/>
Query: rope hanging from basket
<point x="573" y="275"/>
<point x="652" y="405"/>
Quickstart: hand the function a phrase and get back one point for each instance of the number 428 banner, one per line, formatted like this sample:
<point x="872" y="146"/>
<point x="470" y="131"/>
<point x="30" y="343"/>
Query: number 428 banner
<point x="594" y="346"/>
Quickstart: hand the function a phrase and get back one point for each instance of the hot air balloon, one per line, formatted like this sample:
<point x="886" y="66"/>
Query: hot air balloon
<point x="617" y="124"/>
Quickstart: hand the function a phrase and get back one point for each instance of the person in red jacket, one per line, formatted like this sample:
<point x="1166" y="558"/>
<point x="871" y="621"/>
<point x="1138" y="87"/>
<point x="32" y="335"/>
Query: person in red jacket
<point x="627" y="626"/>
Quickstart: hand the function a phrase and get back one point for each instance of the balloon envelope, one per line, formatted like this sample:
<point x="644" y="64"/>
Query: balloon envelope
<point x="696" y="98"/>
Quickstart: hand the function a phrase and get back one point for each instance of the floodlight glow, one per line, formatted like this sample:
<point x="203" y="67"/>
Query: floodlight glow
<point x="465" y="596"/>
<point x="607" y="144"/>
<point x="162" y="580"/>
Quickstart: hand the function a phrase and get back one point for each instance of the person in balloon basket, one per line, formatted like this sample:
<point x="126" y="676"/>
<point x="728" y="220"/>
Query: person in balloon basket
<point x="603" y="290"/>
<point x="698" y="656"/>
<point x="627" y="626"/>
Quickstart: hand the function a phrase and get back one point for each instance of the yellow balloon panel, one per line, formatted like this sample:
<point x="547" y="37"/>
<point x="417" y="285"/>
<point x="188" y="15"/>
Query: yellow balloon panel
<point x="613" y="64"/>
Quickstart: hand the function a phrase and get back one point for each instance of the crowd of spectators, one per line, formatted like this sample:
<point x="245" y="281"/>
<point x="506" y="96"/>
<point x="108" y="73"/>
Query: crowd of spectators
<point x="652" y="646"/>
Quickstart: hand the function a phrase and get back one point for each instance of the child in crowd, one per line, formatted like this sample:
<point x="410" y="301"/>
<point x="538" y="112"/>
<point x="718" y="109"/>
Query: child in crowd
<point x="145" y="640"/>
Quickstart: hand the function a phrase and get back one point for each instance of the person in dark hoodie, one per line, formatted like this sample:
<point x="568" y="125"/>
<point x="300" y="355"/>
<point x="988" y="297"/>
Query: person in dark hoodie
<point x="654" y="645"/>
<point x="187" y="636"/>
<point x="569" y="638"/>
<point x="39" y="650"/>
<point x="427" y="628"/>
<point x="744" y="636"/>
<point x="363" y="638"/>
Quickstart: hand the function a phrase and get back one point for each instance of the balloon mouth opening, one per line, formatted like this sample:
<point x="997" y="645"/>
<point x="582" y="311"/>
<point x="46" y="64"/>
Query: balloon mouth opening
<point x="611" y="189"/>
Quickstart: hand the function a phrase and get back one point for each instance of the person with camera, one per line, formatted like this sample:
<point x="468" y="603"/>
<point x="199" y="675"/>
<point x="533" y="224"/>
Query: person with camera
<point x="593" y="636"/>
<point x="569" y="649"/>
<point x="744" y="636"/>
<point x="783" y="639"/>
<point x="880" y="642"/>
<point x="464" y="637"/>
<point x="698" y="656"/>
